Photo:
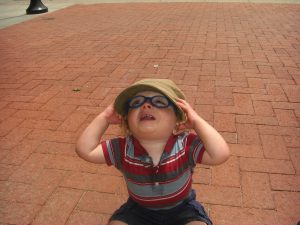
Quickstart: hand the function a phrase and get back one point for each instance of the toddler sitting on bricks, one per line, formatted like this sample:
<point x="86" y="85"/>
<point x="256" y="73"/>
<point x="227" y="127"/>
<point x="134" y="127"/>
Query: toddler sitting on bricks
<point x="157" y="155"/>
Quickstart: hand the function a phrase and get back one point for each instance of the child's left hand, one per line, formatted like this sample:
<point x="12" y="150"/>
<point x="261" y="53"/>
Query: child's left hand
<point x="191" y="115"/>
<point x="216" y="148"/>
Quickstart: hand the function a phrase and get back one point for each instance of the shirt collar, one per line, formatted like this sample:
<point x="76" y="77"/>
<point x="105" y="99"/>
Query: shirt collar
<point x="140" y="151"/>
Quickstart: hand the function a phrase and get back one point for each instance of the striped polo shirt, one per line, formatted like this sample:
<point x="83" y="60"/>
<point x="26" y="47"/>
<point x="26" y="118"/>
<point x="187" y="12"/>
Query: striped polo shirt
<point x="157" y="187"/>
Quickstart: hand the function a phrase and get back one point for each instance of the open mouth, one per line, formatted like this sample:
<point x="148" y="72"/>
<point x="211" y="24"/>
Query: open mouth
<point x="146" y="117"/>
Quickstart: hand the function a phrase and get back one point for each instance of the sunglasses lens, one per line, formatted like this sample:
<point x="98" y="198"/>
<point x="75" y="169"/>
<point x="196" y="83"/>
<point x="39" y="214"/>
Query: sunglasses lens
<point x="157" y="101"/>
<point x="160" y="101"/>
<point x="136" y="101"/>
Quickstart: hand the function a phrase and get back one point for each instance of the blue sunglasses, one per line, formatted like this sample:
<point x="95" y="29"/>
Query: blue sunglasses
<point x="158" y="101"/>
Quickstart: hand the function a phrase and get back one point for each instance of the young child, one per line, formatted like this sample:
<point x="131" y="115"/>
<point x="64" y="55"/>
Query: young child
<point x="158" y="154"/>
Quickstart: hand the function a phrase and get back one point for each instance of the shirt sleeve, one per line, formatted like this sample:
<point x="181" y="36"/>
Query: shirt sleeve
<point x="196" y="149"/>
<point x="113" y="150"/>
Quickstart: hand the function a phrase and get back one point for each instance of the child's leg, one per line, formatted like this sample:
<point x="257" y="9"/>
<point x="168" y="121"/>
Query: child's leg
<point x="117" y="223"/>
<point x="196" y="223"/>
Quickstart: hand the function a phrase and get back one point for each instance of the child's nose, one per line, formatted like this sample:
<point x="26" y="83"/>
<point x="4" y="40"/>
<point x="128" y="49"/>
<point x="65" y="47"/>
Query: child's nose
<point x="147" y="105"/>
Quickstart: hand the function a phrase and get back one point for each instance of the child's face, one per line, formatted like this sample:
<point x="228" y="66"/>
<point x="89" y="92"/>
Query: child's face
<point x="148" y="121"/>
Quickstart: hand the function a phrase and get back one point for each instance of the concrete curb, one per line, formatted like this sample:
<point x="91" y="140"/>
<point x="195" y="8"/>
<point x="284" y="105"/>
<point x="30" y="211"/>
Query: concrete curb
<point x="14" y="11"/>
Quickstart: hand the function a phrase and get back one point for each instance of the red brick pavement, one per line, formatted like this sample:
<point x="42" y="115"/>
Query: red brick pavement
<point x="238" y="63"/>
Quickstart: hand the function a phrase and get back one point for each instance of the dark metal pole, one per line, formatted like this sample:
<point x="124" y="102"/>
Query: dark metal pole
<point x="36" y="7"/>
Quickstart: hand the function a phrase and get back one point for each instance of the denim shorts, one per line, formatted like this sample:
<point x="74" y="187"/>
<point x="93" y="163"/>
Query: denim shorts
<point x="188" y="211"/>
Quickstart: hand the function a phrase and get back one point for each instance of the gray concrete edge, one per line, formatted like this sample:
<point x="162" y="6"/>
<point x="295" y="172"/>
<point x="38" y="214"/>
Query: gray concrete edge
<point x="14" y="11"/>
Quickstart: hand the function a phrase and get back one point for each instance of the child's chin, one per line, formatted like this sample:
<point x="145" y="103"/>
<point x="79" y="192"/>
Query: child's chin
<point x="148" y="130"/>
<point x="153" y="134"/>
<point x="147" y="120"/>
<point x="148" y="133"/>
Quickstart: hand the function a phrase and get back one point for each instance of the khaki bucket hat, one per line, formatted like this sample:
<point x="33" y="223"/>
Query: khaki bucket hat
<point x="164" y="86"/>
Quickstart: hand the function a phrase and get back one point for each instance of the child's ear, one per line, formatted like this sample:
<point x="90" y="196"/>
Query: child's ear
<point x="125" y="126"/>
<point x="179" y="128"/>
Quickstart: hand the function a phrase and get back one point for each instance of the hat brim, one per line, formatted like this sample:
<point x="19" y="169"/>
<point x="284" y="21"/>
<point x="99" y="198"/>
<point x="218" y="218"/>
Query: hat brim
<point x="120" y="103"/>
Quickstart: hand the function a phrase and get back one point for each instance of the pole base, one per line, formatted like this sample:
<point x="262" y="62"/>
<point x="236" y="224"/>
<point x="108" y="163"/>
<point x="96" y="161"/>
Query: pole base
<point x="36" y="7"/>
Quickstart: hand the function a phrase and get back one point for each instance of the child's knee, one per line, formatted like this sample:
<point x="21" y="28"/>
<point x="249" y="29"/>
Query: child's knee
<point x="115" y="222"/>
<point x="196" y="223"/>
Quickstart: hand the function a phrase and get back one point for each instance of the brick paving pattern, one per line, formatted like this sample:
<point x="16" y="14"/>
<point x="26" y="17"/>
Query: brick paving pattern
<point x="238" y="63"/>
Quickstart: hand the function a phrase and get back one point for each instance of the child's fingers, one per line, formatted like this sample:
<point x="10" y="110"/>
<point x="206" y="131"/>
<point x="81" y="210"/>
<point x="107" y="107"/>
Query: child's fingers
<point x="180" y="100"/>
<point x="184" y="105"/>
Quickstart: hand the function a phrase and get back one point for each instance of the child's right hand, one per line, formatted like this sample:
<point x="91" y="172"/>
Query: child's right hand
<point x="111" y="115"/>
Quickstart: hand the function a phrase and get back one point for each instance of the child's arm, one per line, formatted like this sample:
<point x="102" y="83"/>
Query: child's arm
<point x="217" y="150"/>
<point x="88" y="145"/>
